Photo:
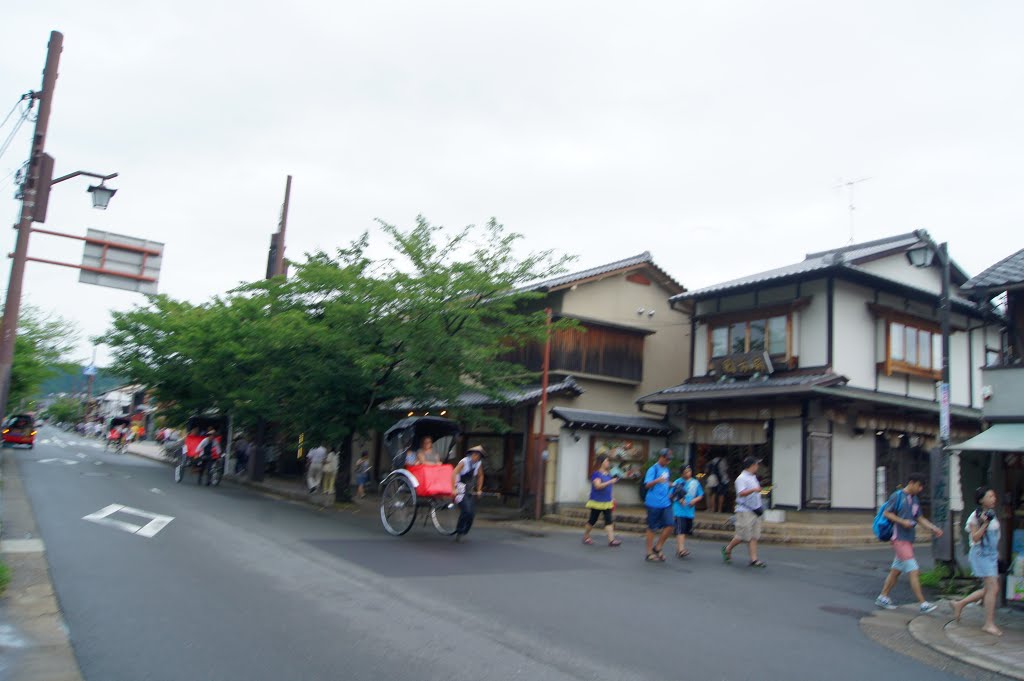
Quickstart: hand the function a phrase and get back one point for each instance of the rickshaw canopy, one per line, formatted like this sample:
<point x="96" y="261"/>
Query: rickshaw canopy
<point x="400" y="437"/>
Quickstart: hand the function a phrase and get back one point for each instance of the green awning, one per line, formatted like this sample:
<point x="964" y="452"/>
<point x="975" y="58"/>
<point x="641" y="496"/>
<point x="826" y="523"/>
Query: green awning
<point x="1001" y="437"/>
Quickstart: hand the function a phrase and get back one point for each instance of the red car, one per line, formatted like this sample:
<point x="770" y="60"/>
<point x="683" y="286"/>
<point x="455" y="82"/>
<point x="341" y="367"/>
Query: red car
<point x="19" y="429"/>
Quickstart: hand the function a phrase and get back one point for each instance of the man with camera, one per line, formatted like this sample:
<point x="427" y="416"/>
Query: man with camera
<point x="904" y="510"/>
<point x="749" y="510"/>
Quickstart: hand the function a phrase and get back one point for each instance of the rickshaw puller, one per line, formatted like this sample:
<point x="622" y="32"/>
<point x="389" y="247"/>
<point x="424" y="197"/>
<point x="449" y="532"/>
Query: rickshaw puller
<point x="467" y="470"/>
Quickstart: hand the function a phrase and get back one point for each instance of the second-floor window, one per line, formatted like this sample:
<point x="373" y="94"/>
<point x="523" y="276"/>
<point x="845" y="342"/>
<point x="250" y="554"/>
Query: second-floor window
<point x="914" y="349"/>
<point x="753" y="335"/>
<point x="591" y="349"/>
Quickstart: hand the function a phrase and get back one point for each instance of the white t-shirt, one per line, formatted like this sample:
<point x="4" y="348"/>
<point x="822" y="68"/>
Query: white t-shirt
<point x="317" y="456"/>
<point x="745" y="481"/>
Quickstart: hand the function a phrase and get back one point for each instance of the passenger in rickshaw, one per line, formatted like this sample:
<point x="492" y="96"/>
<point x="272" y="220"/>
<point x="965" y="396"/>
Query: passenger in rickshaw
<point x="424" y="455"/>
<point x="468" y="482"/>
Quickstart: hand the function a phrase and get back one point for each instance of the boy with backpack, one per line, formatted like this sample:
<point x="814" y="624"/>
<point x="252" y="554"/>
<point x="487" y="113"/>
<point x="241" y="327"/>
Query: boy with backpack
<point x="903" y="511"/>
<point x="686" y="492"/>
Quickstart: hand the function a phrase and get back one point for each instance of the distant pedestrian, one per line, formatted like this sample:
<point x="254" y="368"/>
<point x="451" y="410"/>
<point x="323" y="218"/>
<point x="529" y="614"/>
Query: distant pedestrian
<point x="686" y="494"/>
<point x="468" y="483"/>
<point x="601" y="502"/>
<point x="659" y="508"/>
<point x="362" y="474"/>
<point x="241" y="449"/>
<point x="717" y="483"/>
<point x="904" y="510"/>
<point x="330" y="471"/>
<point x="317" y="456"/>
<point x="749" y="509"/>
<point x="984" y="531"/>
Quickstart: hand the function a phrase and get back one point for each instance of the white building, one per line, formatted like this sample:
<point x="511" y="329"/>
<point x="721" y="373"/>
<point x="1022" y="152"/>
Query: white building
<point x="827" y="370"/>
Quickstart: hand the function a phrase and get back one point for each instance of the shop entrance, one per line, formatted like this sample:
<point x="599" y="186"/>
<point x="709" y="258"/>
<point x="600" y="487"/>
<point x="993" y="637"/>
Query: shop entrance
<point x="897" y="462"/>
<point x="733" y="456"/>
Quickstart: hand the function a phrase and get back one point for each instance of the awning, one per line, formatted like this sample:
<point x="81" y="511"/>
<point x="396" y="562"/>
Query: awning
<point x="1001" y="437"/>
<point x="609" y="422"/>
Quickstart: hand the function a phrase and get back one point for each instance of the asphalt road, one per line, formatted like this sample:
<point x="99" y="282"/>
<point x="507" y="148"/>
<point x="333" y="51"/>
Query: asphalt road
<point x="242" y="586"/>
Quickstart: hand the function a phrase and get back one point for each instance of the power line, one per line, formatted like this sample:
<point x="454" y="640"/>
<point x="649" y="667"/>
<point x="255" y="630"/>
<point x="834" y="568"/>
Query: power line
<point x="17" y="126"/>
<point x="14" y="108"/>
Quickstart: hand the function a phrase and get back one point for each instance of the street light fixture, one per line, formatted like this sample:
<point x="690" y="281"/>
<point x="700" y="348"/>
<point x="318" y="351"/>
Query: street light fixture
<point x="101" y="195"/>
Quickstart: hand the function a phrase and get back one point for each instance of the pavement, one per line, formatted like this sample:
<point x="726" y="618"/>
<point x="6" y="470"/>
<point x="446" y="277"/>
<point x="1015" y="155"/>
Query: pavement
<point x="157" y="580"/>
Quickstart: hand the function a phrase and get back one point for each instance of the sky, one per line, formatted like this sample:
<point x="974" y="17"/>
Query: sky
<point x="712" y="133"/>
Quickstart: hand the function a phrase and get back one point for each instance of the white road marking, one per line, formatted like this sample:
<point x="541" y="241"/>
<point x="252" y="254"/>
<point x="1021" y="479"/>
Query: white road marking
<point x="80" y="455"/>
<point x="66" y="462"/>
<point x="21" y="546"/>
<point x="156" y="523"/>
<point x="156" y="490"/>
<point x="97" y="463"/>
<point x="9" y="637"/>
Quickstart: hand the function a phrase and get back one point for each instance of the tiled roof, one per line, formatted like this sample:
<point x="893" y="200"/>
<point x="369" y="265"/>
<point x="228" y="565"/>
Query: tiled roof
<point x="608" y="268"/>
<point x="600" y="420"/>
<point x="1008" y="272"/>
<point x="847" y="258"/>
<point x="889" y="399"/>
<point x="474" y="398"/>
<point x="729" y="388"/>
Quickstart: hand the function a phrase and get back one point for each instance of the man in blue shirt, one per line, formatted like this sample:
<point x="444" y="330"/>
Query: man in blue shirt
<point x="659" y="507"/>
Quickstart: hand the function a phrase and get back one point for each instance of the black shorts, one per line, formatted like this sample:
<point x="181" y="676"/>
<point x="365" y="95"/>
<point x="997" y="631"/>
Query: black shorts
<point x="684" y="525"/>
<point x="596" y="513"/>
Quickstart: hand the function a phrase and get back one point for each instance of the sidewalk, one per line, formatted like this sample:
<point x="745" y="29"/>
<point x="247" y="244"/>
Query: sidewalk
<point x="962" y="642"/>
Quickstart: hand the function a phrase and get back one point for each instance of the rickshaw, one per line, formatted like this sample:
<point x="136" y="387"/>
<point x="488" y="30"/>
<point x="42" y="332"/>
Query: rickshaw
<point x="121" y="442"/>
<point x="409" y="488"/>
<point x="208" y="468"/>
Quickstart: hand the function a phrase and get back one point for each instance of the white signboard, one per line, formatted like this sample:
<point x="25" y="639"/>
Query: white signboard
<point x="119" y="261"/>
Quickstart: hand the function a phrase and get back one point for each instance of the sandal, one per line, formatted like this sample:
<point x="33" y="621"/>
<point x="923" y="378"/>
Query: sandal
<point x="588" y="541"/>
<point x="615" y="542"/>
<point x="758" y="564"/>
<point x="651" y="558"/>
<point x="661" y="554"/>
<point x="682" y="554"/>
<point x="726" y="555"/>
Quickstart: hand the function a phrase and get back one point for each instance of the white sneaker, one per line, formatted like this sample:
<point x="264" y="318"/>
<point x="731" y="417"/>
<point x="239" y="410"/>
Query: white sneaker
<point x="927" y="607"/>
<point x="885" y="602"/>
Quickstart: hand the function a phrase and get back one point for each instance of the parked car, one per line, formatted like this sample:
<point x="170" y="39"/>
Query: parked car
<point x="19" y="429"/>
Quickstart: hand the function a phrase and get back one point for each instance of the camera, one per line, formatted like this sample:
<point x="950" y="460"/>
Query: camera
<point x="990" y="514"/>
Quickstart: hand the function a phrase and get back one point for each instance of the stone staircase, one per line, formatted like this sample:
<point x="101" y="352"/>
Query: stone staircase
<point x="846" y="532"/>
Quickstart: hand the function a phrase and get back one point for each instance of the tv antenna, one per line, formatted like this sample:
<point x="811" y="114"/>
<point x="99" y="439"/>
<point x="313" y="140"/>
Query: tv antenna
<point x="849" y="184"/>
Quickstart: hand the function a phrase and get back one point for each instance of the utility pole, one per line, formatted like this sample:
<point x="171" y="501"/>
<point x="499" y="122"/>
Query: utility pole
<point x="279" y="266"/>
<point x="540" y="442"/>
<point x="33" y="187"/>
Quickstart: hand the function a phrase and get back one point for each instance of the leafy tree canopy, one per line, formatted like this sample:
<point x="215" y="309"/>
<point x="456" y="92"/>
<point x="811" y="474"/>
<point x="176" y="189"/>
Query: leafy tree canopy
<point x="40" y="350"/>
<point x="322" y="351"/>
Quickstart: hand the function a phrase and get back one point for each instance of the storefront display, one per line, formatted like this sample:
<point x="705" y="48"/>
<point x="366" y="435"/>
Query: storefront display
<point x="628" y="457"/>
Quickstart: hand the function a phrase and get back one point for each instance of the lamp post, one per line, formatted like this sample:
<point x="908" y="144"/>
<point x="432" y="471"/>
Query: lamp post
<point x="34" y="199"/>
<point x="942" y="481"/>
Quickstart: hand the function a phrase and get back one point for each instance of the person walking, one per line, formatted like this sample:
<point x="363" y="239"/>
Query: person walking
<point x="717" y="484"/>
<point x="330" y="471"/>
<point x="686" y="493"/>
<point x="601" y="502"/>
<point x="241" y="450"/>
<point x="984" y="532"/>
<point x="659" y="508"/>
<point x="904" y="510"/>
<point x="467" y="483"/>
<point x="362" y="474"/>
<point x="749" y="509"/>
<point x="315" y="473"/>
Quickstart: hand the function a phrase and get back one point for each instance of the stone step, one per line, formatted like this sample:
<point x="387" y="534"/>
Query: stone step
<point x="716" y="529"/>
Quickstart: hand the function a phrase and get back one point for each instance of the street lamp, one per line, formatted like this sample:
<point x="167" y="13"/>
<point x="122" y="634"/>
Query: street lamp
<point x="101" y="195"/>
<point x="945" y="478"/>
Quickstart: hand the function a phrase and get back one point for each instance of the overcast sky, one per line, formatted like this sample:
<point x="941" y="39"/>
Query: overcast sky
<point x="710" y="133"/>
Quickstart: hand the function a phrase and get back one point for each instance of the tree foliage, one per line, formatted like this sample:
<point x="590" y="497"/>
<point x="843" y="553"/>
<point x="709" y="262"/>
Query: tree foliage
<point x="65" y="410"/>
<point x="40" y="350"/>
<point x="322" y="351"/>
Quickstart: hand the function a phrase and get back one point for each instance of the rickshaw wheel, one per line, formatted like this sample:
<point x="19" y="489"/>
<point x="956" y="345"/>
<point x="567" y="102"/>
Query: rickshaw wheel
<point x="216" y="473"/>
<point x="397" y="506"/>
<point x="445" y="516"/>
<point x="179" y="472"/>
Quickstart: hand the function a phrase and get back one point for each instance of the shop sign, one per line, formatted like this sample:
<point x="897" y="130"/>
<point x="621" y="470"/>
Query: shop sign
<point x="743" y="364"/>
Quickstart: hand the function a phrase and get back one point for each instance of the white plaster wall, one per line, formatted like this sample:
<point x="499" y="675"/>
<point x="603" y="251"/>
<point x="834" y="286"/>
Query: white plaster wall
<point x="572" y="485"/>
<point x="854" y="335"/>
<point x="787" y="462"/>
<point x="896" y="384"/>
<point x="959" y="369"/>
<point x="813" y="325"/>
<point x="700" y="354"/>
<point x="923" y="388"/>
<point x="853" y="470"/>
<point x="897" y="268"/>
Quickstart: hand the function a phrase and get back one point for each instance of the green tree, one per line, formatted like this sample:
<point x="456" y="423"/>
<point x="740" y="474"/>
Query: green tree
<point x="65" y="410"/>
<point x="321" y="352"/>
<point x="40" y="350"/>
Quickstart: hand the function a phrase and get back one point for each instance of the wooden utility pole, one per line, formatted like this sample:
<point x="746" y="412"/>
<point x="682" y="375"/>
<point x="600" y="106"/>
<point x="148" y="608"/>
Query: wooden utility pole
<point x="32" y="191"/>
<point x="539" y="444"/>
<point x="279" y="265"/>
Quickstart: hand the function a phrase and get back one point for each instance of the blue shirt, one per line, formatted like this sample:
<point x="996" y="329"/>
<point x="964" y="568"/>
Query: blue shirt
<point x="693" y="490"/>
<point x="657" y="496"/>
<point x="602" y="495"/>
<point x="910" y="509"/>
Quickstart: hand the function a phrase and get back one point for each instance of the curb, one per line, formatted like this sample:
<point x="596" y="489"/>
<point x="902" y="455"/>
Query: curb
<point x="931" y="631"/>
